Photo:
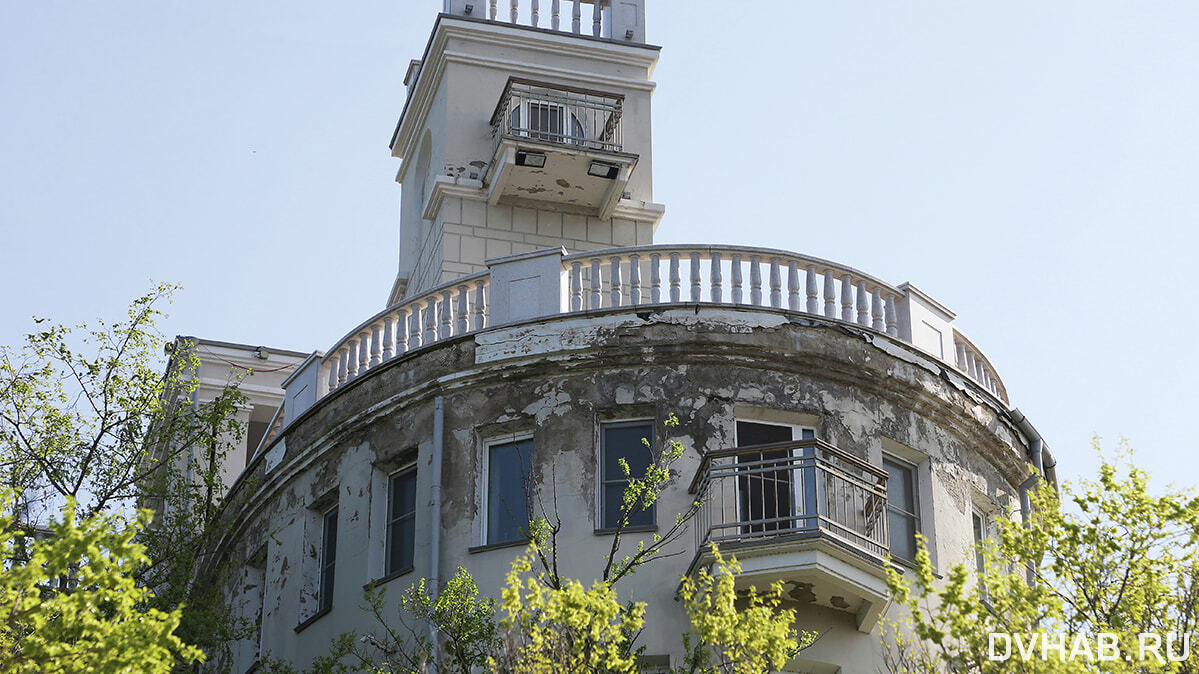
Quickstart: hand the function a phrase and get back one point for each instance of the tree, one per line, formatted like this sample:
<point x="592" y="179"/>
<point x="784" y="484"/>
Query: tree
<point x="74" y="605"/>
<point x="553" y="623"/>
<point x="92" y="421"/>
<point x="1117" y="560"/>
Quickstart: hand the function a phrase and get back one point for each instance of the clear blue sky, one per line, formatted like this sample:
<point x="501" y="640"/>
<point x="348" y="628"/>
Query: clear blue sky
<point x="1033" y="165"/>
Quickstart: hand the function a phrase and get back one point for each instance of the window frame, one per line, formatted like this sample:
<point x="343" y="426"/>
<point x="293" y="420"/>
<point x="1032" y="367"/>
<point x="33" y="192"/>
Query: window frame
<point x="485" y="482"/>
<point x="391" y="522"/>
<point x="327" y="566"/>
<point x="914" y="470"/>
<point x="601" y="483"/>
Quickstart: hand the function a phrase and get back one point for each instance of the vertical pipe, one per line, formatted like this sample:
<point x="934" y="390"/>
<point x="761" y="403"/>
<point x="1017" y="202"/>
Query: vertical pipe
<point x="435" y="513"/>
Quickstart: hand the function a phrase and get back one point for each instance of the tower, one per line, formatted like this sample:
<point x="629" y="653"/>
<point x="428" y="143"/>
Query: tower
<point x="523" y="135"/>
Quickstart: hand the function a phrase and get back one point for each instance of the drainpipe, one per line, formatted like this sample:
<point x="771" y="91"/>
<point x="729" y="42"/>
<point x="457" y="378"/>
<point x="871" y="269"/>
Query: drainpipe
<point x="1036" y="449"/>
<point x="435" y="514"/>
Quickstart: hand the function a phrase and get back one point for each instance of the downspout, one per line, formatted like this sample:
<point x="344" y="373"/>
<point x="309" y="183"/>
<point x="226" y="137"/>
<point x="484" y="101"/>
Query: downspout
<point x="1036" y="446"/>
<point x="435" y="515"/>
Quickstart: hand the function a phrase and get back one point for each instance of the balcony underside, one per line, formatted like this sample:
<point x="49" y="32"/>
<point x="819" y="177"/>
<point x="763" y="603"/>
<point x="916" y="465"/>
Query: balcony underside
<point x="563" y="181"/>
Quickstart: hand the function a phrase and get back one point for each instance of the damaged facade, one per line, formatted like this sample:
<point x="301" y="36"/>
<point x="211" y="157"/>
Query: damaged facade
<point x="535" y="332"/>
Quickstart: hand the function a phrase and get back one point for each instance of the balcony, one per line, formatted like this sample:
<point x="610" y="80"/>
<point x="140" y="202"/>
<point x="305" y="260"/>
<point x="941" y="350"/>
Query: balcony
<point x="805" y="513"/>
<point x="558" y="145"/>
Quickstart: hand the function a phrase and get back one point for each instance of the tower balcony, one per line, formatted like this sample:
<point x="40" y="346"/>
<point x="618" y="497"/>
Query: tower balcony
<point x="806" y="514"/>
<point x="558" y="145"/>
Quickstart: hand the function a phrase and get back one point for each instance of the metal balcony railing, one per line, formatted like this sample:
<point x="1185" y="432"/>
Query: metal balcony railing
<point x="791" y="490"/>
<point x="572" y="118"/>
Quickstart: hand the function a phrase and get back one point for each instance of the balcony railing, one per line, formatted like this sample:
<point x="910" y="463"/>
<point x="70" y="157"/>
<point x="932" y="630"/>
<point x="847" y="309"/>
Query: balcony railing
<point x="789" y="491"/>
<point x="572" y="118"/>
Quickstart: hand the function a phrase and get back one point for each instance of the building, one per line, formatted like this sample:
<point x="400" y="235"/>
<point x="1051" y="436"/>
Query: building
<point x="535" y="332"/>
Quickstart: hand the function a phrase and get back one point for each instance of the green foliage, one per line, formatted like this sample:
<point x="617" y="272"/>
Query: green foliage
<point x="1119" y="560"/>
<point x="74" y="605"/>
<point x="89" y="417"/>
<point x="465" y="624"/>
<point x="735" y="634"/>
<point x="564" y="629"/>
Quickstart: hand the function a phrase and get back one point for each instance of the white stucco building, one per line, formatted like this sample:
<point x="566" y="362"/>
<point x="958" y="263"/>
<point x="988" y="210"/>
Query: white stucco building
<point x="535" y="332"/>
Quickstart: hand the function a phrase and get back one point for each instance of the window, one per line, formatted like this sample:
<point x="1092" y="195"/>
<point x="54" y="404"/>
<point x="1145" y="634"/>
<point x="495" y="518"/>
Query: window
<point x="979" y="520"/>
<point x="401" y="520"/>
<point x="766" y="491"/>
<point x="903" y="522"/>
<point x="508" y="491"/>
<point x="328" y="559"/>
<point x="627" y="441"/>
<point x="547" y="121"/>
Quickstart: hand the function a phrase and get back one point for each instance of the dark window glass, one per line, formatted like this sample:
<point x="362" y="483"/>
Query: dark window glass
<point x="764" y="485"/>
<point x="624" y="441"/>
<point x="328" y="559"/>
<point x="401" y="520"/>
<point x="508" y="491"/>
<point x="902" y="519"/>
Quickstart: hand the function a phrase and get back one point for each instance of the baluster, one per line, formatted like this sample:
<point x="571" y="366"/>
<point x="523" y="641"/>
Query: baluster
<point x="830" y="294"/>
<point x="389" y="337"/>
<point x="576" y="286"/>
<point x="635" y="279"/>
<point x="596" y="29"/>
<point x="492" y="11"/>
<point x="696" y="279"/>
<point x="615" y="283"/>
<point x="675" y="281"/>
<point x="343" y="371"/>
<point x="961" y="350"/>
<point x="351" y="358"/>
<point x="430" y="316"/>
<point x="447" y="314"/>
<point x="416" y="319"/>
<point x="480" y="305"/>
<point x="863" y="307"/>
<point x="846" y="298"/>
<point x="776" y="284"/>
<point x="536" y="15"/>
<point x="596" y="292"/>
<point x="655" y="278"/>
<point x="576" y="17"/>
<point x="813" y="291"/>
<point x="716" y="279"/>
<point x="736" y="279"/>
<point x="793" y="285"/>
<point x="978" y="368"/>
<point x="755" y="280"/>
<point x="463" y="314"/>
<point x="555" y="11"/>
<point x="514" y="6"/>
<point x="986" y="379"/>
<point x="376" y="345"/>
<point x="402" y="331"/>
<point x="363" y="352"/>
<point x="970" y="364"/>
<point x="876" y="310"/>
<point x="333" y="363"/>
<point x="892" y="320"/>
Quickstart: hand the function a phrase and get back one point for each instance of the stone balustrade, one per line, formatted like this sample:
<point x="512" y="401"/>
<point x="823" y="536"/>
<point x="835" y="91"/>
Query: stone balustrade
<point x="731" y="275"/>
<point x="550" y="282"/>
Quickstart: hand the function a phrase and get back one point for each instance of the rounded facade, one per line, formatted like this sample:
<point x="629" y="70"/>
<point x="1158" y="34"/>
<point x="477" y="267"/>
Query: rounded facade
<point x="544" y="407"/>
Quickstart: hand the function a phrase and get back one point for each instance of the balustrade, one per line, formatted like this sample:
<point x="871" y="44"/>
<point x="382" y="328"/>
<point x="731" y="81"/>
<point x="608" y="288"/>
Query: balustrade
<point x="453" y="309"/>
<point x="600" y="279"/>
<point x="623" y="277"/>
<point x="529" y="14"/>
